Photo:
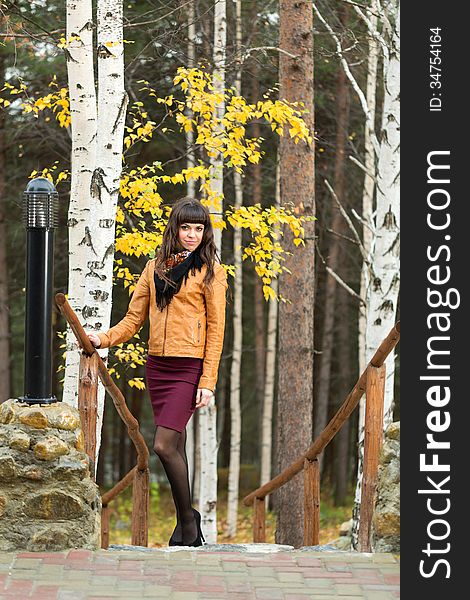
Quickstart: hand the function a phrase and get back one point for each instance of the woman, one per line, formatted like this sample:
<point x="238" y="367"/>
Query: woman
<point x="183" y="292"/>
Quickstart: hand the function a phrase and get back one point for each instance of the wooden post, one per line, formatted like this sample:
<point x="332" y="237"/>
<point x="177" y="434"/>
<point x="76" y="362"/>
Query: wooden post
<point x="259" y="520"/>
<point x="311" y="502"/>
<point x="373" y="437"/>
<point x="88" y="402"/>
<point x="140" y="507"/>
<point x="105" y="526"/>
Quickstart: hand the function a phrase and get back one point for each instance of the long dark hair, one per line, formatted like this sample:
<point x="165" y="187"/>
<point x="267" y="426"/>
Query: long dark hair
<point x="188" y="210"/>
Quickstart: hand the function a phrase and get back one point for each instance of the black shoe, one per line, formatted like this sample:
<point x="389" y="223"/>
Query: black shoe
<point x="172" y="541"/>
<point x="200" y="538"/>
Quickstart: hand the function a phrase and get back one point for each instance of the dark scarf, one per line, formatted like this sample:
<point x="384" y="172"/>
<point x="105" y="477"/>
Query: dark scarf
<point x="177" y="274"/>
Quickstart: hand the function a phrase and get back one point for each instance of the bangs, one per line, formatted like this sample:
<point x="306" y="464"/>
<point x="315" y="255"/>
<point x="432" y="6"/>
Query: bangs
<point x="192" y="213"/>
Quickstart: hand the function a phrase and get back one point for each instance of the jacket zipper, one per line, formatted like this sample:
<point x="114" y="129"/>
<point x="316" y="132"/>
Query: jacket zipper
<point x="199" y="332"/>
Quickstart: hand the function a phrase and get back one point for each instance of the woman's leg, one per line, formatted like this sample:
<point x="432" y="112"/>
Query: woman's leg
<point x="176" y="536"/>
<point x="167" y="445"/>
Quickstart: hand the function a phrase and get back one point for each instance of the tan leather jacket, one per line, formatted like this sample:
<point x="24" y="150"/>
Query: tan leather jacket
<point x="191" y="325"/>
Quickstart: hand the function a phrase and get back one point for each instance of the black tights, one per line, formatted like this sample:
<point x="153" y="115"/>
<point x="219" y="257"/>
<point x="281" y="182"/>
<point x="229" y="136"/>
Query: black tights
<point x="170" y="447"/>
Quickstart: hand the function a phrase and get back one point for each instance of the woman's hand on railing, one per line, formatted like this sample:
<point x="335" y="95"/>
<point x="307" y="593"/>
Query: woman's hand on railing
<point x="94" y="339"/>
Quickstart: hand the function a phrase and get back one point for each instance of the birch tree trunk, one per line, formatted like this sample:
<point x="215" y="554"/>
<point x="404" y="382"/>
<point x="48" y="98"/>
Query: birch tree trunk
<point x="257" y="195"/>
<point x="235" y="372"/>
<point x="294" y="424"/>
<point x="369" y="178"/>
<point x="270" y="371"/>
<point x="207" y="416"/>
<point x="382" y="293"/>
<point x="81" y="79"/>
<point x="112" y="105"/>
<point x="207" y="438"/>
<point x="367" y="201"/>
<point x="367" y="236"/>
<point x="217" y="162"/>
<point x="191" y="191"/>
<point x="191" y="157"/>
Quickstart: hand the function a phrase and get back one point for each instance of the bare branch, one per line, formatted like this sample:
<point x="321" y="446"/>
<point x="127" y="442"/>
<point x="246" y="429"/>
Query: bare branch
<point x="363" y="167"/>
<point x="341" y="236"/>
<point x="365" y="222"/>
<point x="360" y="6"/>
<point x="31" y="35"/>
<point x="341" y="282"/>
<point x="350" y="76"/>
<point x="373" y="31"/>
<point x="348" y="221"/>
<point x="152" y="21"/>
<point x="263" y="49"/>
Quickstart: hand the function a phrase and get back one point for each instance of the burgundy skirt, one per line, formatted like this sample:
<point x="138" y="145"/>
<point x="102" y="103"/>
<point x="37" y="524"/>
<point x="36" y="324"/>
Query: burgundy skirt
<point x="172" y="383"/>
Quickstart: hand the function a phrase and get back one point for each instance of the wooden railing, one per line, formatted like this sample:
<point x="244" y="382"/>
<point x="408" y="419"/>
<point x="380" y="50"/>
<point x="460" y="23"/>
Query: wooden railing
<point x="372" y="383"/>
<point x="92" y="367"/>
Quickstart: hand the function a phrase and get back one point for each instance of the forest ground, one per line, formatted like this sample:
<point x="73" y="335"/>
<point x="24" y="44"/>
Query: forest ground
<point x="162" y="514"/>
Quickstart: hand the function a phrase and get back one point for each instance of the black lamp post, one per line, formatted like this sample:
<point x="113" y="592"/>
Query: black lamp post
<point x="40" y="217"/>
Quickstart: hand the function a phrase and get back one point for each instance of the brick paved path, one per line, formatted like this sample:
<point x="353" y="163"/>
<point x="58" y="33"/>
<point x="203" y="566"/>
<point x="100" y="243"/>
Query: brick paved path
<point x="198" y="574"/>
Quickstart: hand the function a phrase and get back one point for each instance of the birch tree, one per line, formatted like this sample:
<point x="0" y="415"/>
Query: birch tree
<point x="112" y="106"/>
<point x="83" y="111"/>
<point x="270" y="371"/>
<point x="369" y="182"/>
<point x="191" y="157"/>
<point x="367" y="213"/>
<point x="383" y="262"/>
<point x="383" y="289"/>
<point x="207" y="416"/>
<point x="235" y="373"/>
<point x="97" y="145"/>
<point x="216" y="158"/>
<point x="190" y="190"/>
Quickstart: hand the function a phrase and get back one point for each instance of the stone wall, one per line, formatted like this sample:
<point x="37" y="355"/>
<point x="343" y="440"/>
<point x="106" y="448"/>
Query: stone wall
<point x="386" y="519"/>
<point x="48" y="500"/>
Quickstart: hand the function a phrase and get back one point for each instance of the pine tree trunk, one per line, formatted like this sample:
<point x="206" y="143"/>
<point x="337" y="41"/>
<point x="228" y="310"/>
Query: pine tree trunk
<point x="295" y="389"/>
<point x="81" y="80"/>
<point x="4" y="300"/>
<point x="235" y="372"/>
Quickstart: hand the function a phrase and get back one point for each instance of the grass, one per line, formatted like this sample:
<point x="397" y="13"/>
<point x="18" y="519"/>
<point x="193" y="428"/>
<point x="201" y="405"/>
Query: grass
<point x="162" y="514"/>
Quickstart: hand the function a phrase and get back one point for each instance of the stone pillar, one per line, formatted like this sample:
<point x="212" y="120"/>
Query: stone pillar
<point x="48" y="499"/>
